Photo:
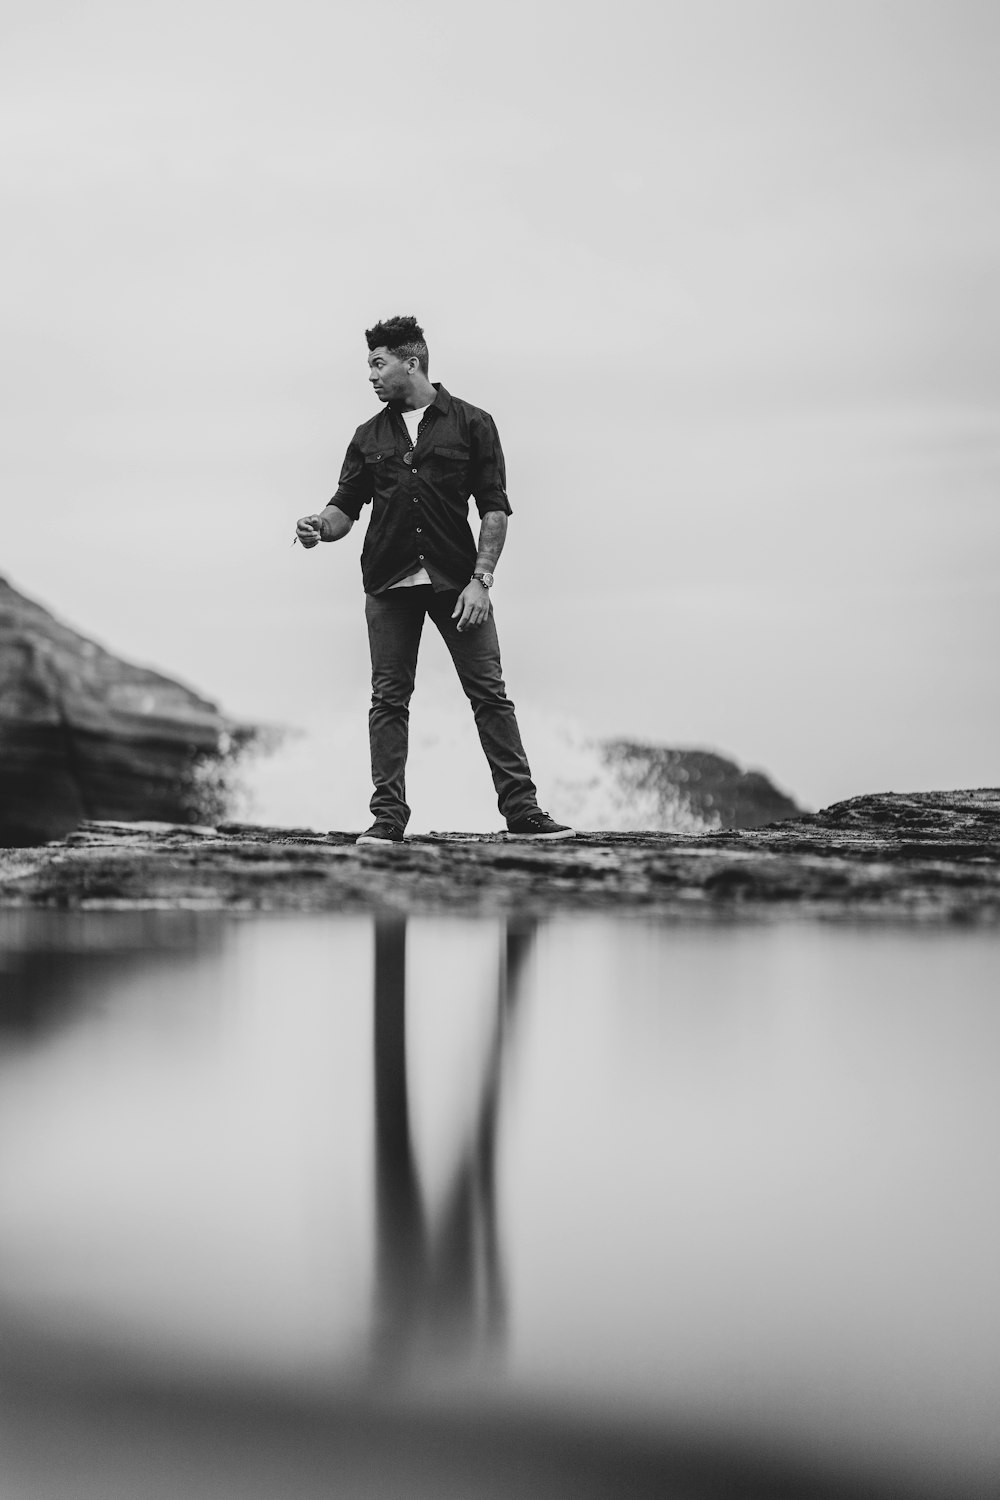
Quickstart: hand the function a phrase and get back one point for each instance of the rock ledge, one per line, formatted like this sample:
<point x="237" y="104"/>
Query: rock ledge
<point x="927" y="856"/>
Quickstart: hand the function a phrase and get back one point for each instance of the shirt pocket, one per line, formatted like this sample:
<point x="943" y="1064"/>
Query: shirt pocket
<point x="378" y="472"/>
<point x="450" y="461"/>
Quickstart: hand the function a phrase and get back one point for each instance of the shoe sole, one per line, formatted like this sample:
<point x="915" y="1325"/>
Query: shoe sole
<point x="537" y="837"/>
<point x="364" y="839"/>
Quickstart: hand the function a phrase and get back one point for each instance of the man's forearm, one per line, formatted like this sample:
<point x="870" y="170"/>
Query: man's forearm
<point x="334" y="523"/>
<point x="492" y="535"/>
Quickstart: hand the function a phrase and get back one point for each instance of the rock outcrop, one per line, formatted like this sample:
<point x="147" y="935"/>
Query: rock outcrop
<point x="690" y="790"/>
<point x="926" y="857"/>
<point x="84" y="734"/>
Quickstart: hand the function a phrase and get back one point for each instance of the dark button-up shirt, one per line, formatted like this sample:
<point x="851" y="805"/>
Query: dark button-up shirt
<point x="419" y="493"/>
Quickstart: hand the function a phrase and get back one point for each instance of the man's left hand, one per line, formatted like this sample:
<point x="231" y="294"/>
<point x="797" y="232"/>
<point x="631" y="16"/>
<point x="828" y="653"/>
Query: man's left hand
<point x="472" y="607"/>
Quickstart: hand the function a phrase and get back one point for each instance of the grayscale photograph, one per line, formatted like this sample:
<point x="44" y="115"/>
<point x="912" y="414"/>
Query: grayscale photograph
<point x="500" y="750"/>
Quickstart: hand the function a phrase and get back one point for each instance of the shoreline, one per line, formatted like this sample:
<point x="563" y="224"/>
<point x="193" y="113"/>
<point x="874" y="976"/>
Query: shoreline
<point x="928" y="857"/>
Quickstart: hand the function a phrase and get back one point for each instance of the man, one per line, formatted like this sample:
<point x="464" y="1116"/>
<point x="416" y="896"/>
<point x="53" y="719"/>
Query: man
<point x="417" y="462"/>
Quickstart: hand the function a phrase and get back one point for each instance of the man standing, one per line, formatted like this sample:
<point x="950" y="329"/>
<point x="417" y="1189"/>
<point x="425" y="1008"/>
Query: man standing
<point x="417" y="462"/>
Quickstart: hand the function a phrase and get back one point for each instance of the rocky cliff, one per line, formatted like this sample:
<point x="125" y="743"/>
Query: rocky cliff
<point x="84" y="734"/>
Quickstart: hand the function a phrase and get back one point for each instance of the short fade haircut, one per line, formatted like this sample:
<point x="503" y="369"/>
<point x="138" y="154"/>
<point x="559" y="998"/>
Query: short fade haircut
<point x="403" y="337"/>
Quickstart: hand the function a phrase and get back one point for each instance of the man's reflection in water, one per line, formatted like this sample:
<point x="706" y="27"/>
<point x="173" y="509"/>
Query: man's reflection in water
<point x="438" y="1279"/>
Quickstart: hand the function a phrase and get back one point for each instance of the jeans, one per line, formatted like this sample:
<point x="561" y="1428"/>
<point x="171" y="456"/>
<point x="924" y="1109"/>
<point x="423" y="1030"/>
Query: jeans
<point x="395" y="622"/>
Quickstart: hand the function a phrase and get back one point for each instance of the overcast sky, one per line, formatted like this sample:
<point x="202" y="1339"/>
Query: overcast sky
<point x="727" y="275"/>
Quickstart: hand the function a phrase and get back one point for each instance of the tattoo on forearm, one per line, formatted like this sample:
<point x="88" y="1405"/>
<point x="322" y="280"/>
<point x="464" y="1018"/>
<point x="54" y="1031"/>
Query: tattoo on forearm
<point x="492" y="535"/>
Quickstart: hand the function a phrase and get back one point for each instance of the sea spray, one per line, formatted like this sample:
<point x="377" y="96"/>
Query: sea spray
<point x="317" y="776"/>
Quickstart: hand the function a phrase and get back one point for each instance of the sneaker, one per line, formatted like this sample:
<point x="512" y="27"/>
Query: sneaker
<point x="381" y="832"/>
<point x="538" y="825"/>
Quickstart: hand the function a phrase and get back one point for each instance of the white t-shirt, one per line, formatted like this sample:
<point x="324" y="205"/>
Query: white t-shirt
<point x="412" y="420"/>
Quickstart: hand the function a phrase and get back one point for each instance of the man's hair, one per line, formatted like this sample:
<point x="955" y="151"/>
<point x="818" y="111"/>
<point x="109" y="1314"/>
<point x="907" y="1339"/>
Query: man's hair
<point x="403" y="337"/>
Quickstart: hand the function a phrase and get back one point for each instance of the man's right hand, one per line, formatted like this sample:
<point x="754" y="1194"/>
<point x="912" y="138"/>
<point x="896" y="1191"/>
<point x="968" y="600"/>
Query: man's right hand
<point x="309" y="530"/>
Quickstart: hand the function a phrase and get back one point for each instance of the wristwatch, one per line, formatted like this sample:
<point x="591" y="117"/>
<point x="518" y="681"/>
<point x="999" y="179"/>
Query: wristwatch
<point x="486" y="579"/>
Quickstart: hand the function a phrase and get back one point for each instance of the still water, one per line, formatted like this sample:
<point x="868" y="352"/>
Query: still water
<point x="309" y="1205"/>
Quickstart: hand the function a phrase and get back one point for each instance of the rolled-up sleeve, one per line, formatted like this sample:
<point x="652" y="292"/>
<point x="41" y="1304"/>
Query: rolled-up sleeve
<point x="488" y="477"/>
<point x="355" y="486"/>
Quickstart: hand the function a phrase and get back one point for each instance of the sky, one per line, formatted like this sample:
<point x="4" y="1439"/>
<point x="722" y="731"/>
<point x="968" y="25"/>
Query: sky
<point x="727" y="276"/>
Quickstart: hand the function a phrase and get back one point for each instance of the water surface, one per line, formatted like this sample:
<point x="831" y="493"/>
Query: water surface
<point x="729" y="1186"/>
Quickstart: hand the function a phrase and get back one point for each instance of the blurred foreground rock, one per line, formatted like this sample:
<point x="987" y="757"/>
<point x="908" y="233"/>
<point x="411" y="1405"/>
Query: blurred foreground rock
<point x="86" y="735"/>
<point x="931" y="856"/>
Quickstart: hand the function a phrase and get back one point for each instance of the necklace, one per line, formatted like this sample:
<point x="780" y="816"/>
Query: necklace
<point x="408" y="455"/>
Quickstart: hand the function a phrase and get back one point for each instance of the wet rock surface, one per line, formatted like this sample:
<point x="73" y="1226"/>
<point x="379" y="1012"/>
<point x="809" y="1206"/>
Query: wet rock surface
<point x="929" y="856"/>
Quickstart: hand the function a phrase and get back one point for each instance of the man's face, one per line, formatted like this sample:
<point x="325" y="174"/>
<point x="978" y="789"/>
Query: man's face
<point x="389" y="375"/>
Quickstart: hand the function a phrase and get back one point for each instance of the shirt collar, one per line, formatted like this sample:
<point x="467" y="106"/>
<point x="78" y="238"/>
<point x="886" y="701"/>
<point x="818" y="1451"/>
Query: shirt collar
<point x="441" y="403"/>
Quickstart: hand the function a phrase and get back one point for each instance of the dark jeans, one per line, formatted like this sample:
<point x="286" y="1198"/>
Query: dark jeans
<point x="395" y="622"/>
